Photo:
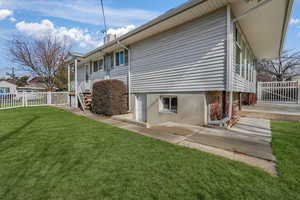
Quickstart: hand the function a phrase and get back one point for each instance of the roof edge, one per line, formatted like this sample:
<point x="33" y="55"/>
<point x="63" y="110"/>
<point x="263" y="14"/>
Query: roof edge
<point x="289" y="9"/>
<point x="170" y="13"/>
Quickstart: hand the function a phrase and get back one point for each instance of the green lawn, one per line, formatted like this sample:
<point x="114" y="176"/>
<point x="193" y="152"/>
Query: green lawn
<point x="47" y="153"/>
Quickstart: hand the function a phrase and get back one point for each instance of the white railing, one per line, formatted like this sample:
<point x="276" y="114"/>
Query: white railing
<point x="279" y="92"/>
<point x="80" y="95"/>
<point x="28" y="99"/>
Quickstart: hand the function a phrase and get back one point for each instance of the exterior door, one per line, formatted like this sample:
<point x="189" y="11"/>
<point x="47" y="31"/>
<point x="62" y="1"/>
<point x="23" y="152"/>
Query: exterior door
<point x="87" y="77"/>
<point x="141" y="107"/>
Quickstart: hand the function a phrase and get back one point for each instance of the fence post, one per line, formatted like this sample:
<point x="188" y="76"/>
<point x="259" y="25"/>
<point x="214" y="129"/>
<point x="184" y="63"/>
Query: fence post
<point x="25" y="99"/>
<point x="298" y="84"/>
<point x="49" y="100"/>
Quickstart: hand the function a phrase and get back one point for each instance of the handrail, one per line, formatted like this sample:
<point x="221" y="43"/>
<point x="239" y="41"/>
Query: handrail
<point x="80" y="95"/>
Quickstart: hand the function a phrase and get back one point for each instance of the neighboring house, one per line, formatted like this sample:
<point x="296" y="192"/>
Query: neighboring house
<point x="8" y="86"/>
<point x="192" y="61"/>
<point x="296" y="78"/>
<point x="35" y="84"/>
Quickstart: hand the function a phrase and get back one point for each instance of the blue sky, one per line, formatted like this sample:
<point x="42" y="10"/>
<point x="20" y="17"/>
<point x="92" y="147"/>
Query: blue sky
<point x="81" y="21"/>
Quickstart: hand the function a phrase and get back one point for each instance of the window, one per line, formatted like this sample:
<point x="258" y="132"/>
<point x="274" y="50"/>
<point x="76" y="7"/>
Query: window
<point x="126" y="57"/>
<point x="95" y="66"/>
<point x="4" y="90"/>
<point x="117" y="58"/>
<point x="121" y="57"/>
<point x="238" y="52"/>
<point x="168" y="104"/>
<point x="246" y="63"/>
<point x="98" y="65"/>
<point x="243" y="59"/>
<point x="238" y="59"/>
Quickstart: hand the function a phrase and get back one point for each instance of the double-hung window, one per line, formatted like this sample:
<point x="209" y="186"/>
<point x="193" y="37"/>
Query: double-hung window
<point x="98" y="65"/>
<point x="238" y="51"/>
<point x="168" y="104"/>
<point x="121" y="57"/>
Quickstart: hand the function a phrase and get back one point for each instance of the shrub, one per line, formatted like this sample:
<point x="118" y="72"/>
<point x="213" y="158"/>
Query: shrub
<point x="109" y="97"/>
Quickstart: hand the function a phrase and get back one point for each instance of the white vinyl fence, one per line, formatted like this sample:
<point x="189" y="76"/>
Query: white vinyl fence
<point x="279" y="92"/>
<point x="27" y="99"/>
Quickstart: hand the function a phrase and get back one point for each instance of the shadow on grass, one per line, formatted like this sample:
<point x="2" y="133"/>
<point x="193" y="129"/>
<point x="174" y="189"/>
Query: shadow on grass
<point x="18" y="130"/>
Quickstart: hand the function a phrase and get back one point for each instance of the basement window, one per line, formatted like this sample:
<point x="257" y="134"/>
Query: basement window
<point x="168" y="104"/>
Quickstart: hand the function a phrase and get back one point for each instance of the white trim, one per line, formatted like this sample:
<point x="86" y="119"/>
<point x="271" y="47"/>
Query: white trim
<point x="76" y="83"/>
<point x="229" y="60"/>
<point x="161" y="106"/>
<point x="69" y="78"/>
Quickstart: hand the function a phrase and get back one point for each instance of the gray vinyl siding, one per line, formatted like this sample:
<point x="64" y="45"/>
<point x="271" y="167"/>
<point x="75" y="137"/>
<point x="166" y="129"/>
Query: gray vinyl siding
<point x="98" y="76"/>
<point x="119" y="73"/>
<point x="190" y="57"/>
<point x="240" y="84"/>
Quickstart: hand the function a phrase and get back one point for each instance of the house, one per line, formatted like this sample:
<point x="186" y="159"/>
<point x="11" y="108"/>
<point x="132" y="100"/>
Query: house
<point x="8" y="86"/>
<point x="296" y="77"/>
<point x="34" y="84"/>
<point x="193" y="64"/>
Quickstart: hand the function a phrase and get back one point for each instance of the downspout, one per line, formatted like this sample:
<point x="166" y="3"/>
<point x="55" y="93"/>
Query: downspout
<point x="129" y="73"/>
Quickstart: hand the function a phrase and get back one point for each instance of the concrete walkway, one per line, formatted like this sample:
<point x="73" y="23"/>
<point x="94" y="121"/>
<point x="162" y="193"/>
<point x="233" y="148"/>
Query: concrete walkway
<point x="251" y="150"/>
<point x="273" y="111"/>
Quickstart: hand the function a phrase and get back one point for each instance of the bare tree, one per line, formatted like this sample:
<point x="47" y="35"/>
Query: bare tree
<point x="281" y="68"/>
<point x="42" y="57"/>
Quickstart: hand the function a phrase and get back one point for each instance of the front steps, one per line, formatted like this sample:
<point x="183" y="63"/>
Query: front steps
<point x="87" y="101"/>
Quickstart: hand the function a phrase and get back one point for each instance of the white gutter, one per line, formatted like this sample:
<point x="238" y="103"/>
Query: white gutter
<point x="129" y="73"/>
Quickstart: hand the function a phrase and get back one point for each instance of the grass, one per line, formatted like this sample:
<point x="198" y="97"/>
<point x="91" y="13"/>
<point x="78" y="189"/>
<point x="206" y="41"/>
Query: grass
<point x="47" y="153"/>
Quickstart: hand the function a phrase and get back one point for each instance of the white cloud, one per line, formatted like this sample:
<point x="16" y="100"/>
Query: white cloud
<point x="4" y="13"/>
<point x="121" y="31"/>
<point x="47" y="28"/>
<point x="12" y="19"/>
<point x="294" y="21"/>
<point x="83" y="11"/>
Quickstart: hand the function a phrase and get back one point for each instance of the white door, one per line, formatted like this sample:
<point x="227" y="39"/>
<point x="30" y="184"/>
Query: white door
<point x="141" y="107"/>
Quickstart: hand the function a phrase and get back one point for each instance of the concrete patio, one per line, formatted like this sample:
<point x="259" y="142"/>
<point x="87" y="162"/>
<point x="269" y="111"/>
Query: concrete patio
<point x="274" y="111"/>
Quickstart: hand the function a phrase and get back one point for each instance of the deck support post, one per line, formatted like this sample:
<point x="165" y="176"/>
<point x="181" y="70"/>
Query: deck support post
<point x="76" y="84"/>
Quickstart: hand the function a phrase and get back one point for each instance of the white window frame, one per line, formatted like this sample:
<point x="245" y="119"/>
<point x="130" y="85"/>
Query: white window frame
<point x="246" y="65"/>
<point x="6" y="90"/>
<point x="115" y="55"/>
<point x="102" y="66"/>
<point x="169" y="110"/>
